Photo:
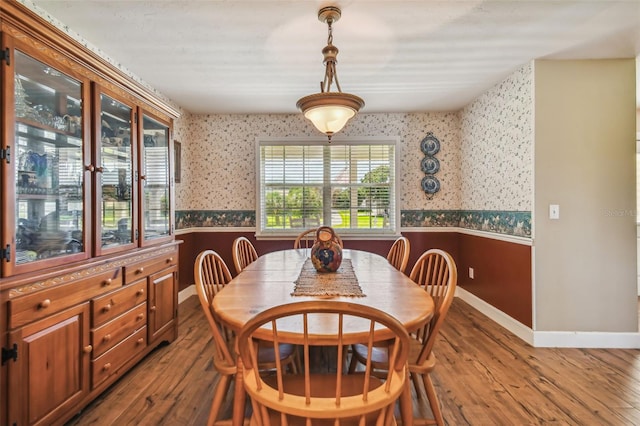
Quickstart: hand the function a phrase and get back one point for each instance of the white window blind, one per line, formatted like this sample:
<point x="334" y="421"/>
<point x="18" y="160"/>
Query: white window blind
<point x="347" y="185"/>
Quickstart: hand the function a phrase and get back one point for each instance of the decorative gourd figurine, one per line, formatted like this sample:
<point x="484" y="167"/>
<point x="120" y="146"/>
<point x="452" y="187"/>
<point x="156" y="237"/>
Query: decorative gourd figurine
<point x="326" y="253"/>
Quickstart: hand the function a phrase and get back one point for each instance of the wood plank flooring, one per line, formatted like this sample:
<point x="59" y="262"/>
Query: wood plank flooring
<point x="485" y="376"/>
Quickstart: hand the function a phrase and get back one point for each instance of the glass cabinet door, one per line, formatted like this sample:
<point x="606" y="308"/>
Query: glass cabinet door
<point x="155" y="198"/>
<point x="47" y="165"/>
<point x="114" y="175"/>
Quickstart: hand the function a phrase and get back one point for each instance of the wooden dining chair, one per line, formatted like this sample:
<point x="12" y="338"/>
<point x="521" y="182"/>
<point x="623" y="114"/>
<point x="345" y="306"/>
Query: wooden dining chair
<point x="243" y="253"/>
<point x="211" y="275"/>
<point x="398" y="255"/>
<point x="307" y="238"/>
<point x="326" y="398"/>
<point x="437" y="273"/>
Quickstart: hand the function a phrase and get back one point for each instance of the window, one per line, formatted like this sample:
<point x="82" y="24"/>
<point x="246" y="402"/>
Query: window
<point x="349" y="185"/>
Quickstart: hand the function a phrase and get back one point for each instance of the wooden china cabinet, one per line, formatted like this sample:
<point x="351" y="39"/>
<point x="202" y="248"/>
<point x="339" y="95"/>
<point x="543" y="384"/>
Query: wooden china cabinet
<point x="88" y="282"/>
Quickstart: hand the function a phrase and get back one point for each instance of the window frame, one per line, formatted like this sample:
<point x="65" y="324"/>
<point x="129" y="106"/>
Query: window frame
<point x="350" y="233"/>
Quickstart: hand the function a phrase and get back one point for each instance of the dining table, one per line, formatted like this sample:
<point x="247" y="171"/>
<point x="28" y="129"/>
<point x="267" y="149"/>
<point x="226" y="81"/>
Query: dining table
<point x="287" y="276"/>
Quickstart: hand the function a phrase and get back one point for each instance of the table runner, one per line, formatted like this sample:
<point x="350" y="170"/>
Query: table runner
<point x="343" y="282"/>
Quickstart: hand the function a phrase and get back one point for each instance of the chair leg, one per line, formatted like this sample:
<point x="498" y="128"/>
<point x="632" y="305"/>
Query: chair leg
<point x="433" y="399"/>
<point x="353" y="363"/>
<point x="218" y="398"/>
<point x="297" y="364"/>
<point x="416" y="385"/>
<point x="239" y="396"/>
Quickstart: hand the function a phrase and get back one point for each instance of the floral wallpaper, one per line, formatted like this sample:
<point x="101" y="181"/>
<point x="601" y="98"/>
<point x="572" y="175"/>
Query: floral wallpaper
<point x="220" y="154"/>
<point x="496" y="134"/>
<point x="485" y="162"/>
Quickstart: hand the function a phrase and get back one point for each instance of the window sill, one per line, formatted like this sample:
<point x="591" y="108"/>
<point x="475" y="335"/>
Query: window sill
<point x="284" y="235"/>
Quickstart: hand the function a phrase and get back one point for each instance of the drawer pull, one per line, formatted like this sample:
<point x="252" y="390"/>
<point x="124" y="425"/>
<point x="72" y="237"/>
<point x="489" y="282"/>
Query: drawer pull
<point x="140" y="340"/>
<point x="107" y="337"/>
<point x="88" y="349"/>
<point x="140" y="317"/>
<point x="107" y="282"/>
<point x="106" y="308"/>
<point x="44" y="304"/>
<point x="140" y="292"/>
<point x="139" y="270"/>
<point x="169" y="260"/>
<point x="106" y="367"/>
<point x="152" y="309"/>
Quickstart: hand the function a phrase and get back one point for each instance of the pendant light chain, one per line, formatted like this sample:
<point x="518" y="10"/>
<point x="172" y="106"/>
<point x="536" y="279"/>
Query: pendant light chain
<point x="330" y="74"/>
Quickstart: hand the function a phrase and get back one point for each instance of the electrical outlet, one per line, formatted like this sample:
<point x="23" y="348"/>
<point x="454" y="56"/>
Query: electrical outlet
<point x="471" y="273"/>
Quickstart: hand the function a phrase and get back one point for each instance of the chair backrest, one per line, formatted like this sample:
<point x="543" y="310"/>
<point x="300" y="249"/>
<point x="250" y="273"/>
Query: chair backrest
<point x="307" y="237"/>
<point x="243" y="253"/>
<point x="436" y="271"/>
<point x="211" y="275"/>
<point x="333" y="395"/>
<point x="399" y="253"/>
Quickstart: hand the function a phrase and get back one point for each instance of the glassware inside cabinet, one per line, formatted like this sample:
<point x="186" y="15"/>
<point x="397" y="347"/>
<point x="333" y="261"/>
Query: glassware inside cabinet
<point x="115" y="177"/>
<point x="155" y="179"/>
<point x="49" y="171"/>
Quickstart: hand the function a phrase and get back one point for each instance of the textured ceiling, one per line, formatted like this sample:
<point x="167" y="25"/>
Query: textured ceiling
<point x="261" y="56"/>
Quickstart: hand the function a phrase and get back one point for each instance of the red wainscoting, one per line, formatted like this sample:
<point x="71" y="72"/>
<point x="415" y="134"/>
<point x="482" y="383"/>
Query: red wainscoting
<point x="502" y="269"/>
<point x="502" y="274"/>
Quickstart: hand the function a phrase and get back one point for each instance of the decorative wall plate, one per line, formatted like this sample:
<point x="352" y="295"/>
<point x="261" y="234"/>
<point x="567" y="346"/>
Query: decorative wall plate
<point x="430" y="184"/>
<point x="430" y="165"/>
<point x="430" y="145"/>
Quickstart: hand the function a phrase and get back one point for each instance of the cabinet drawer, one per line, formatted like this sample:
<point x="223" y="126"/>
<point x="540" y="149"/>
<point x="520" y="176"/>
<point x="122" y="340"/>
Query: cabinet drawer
<point x="112" y="360"/>
<point x="105" y="337"/>
<point x="144" y="268"/>
<point x="111" y="305"/>
<point x="31" y="307"/>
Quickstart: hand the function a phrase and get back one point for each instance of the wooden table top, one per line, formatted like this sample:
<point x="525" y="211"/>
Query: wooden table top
<point x="269" y="282"/>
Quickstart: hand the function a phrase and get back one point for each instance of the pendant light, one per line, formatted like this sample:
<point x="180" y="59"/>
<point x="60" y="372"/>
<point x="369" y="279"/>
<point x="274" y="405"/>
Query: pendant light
<point x="330" y="111"/>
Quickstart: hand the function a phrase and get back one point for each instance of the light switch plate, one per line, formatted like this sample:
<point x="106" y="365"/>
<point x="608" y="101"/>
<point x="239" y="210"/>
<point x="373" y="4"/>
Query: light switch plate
<point x="554" y="211"/>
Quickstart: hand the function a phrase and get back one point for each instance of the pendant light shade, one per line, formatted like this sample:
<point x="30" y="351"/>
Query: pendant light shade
<point x="330" y="111"/>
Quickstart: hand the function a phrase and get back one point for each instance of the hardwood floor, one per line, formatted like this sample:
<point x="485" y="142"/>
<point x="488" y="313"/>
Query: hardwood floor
<point x="485" y="376"/>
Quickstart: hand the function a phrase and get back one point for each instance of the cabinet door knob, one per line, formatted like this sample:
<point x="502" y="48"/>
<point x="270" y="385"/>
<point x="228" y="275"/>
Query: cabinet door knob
<point x="99" y="169"/>
<point x="140" y="292"/>
<point x="90" y="167"/>
<point x="44" y="304"/>
<point x="152" y="309"/>
<point x="140" y="317"/>
<point x="107" y="282"/>
<point x="106" y="367"/>
<point x="106" y="308"/>
<point x="140" y="340"/>
<point x="88" y="349"/>
<point x="106" y="337"/>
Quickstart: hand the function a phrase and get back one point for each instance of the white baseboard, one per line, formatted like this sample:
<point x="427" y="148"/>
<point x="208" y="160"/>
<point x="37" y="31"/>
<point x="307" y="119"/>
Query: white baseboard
<point x="516" y="327"/>
<point x="586" y="339"/>
<point x="553" y="339"/>
<point x="186" y="293"/>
